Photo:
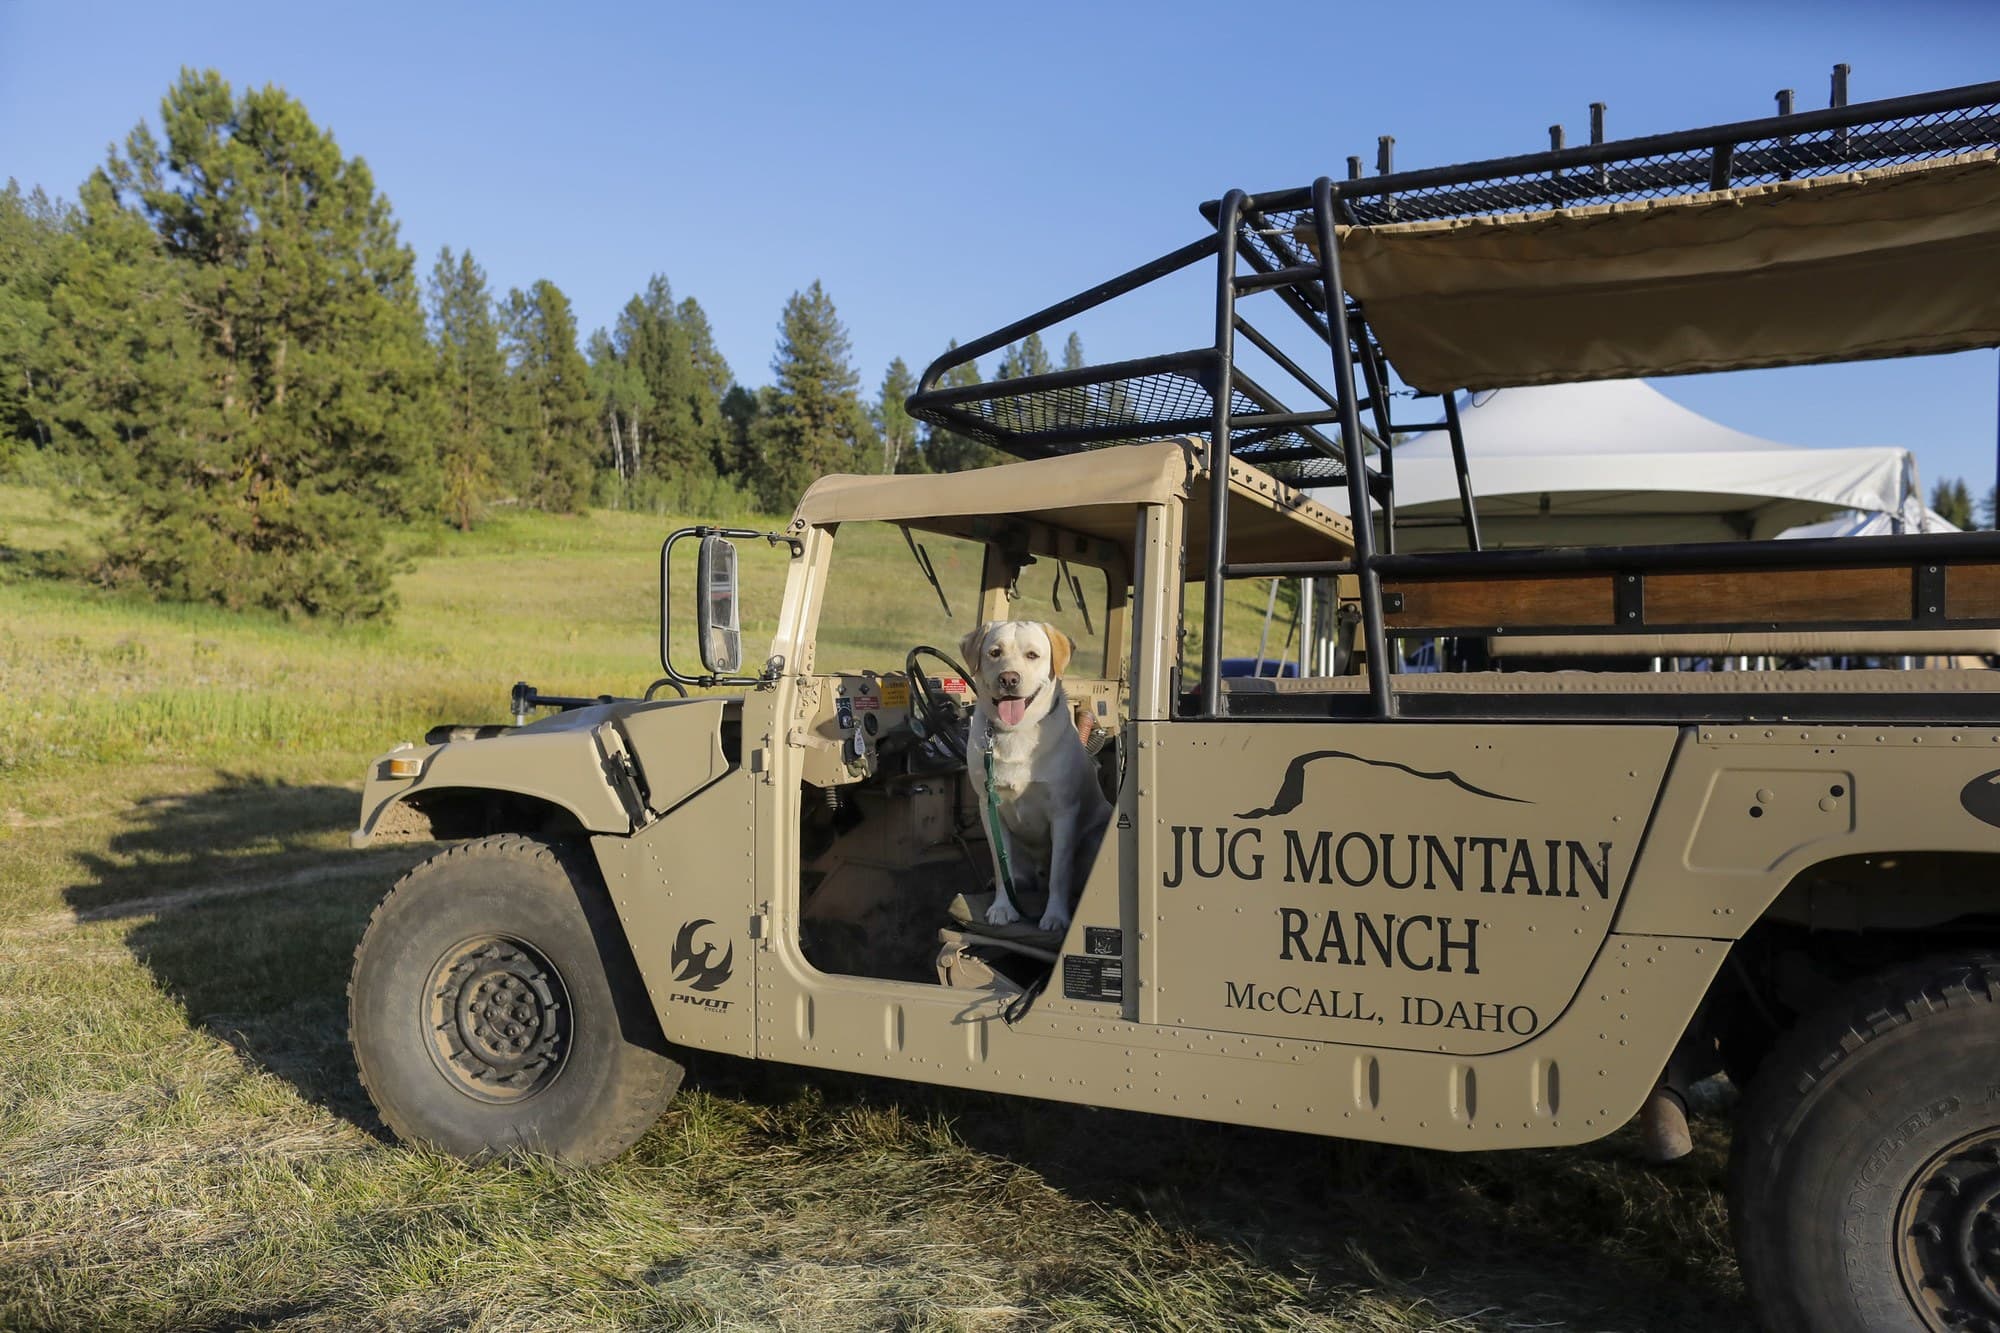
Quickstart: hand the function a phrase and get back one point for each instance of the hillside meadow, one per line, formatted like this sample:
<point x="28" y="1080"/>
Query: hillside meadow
<point x="183" y="1144"/>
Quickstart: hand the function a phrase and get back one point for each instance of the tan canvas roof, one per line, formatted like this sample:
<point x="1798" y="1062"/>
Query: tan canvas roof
<point x="1093" y="493"/>
<point x="1888" y="262"/>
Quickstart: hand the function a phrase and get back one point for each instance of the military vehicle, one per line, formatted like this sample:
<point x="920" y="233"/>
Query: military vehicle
<point x="1465" y="909"/>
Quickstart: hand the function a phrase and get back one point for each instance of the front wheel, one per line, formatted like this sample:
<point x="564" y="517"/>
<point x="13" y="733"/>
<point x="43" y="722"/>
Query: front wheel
<point x="1866" y="1179"/>
<point x="495" y="1008"/>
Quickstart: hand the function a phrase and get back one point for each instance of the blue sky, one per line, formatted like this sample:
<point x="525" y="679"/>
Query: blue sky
<point x="945" y="169"/>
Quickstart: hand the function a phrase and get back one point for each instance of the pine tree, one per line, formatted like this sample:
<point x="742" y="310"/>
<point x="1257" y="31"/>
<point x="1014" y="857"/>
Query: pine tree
<point x="672" y="350"/>
<point x="1028" y="357"/>
<point x="549" y="428"/>
<point x="815" y="424"/>
<point x="1073" y="405"/>
<point x="32" y="231"/>
<point x="948" y="451"/>
<point x="472" y="384"/>
<point x="709" y="380"/>
<point x="241" y="348"/>
<point x="1953" y="502"/>
<point x="623" y="406"/>
<point x="1032" y="412"/>
<point x="894" y="425"/>
<point x="740" y="409"/>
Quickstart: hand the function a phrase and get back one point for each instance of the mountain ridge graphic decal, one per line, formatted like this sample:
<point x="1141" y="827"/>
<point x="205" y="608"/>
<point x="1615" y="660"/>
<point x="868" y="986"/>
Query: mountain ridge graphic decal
<point x="1292" y="790"/>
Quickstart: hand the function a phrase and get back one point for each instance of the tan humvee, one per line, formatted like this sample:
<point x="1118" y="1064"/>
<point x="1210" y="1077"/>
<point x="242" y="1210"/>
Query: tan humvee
<point x="1465" y="910"/>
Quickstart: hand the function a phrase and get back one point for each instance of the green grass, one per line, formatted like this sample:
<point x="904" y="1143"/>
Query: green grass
<point x="183" y="1143"/>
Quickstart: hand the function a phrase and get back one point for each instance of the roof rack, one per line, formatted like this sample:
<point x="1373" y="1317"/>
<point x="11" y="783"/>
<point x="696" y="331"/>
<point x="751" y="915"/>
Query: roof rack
<point x="1791" y="145"/>
<point x="1288" y="243"/>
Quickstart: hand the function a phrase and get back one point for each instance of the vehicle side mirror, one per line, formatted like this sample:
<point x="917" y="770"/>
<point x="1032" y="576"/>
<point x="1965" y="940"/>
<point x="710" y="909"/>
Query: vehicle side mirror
<point x="717" y="629"/>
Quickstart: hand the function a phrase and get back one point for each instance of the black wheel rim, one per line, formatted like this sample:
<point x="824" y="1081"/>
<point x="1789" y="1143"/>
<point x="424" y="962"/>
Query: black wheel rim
<point x="498" y="1019"/>
<point x="1948" y="1234"/>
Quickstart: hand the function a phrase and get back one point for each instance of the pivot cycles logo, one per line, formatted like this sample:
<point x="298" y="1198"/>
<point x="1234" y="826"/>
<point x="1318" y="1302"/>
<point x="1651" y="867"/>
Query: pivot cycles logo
<point x="1980" y="798"/>
<point x="699" y="969"/>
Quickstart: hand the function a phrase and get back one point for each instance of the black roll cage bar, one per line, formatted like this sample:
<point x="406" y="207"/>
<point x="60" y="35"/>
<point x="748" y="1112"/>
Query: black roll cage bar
<point x="1156" y="397"/>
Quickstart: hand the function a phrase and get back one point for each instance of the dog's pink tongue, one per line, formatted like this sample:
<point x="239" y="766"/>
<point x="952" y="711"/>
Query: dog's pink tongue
<point x="1011" y="711"/>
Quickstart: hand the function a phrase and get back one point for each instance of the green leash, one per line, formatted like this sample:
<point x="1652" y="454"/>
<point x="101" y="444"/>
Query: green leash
<point x="1006" y="883"/>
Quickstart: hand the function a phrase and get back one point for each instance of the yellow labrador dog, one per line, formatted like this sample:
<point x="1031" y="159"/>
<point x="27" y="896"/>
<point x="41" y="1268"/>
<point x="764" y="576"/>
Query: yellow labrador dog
<point x="1052" y="812"/>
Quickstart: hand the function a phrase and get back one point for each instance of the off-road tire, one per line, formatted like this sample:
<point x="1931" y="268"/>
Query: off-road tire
<point x="534" y="915"/>
<point x="1865" y="1180"/>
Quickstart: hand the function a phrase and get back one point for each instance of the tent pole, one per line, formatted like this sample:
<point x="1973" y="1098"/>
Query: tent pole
<point x="1458" y="464"/>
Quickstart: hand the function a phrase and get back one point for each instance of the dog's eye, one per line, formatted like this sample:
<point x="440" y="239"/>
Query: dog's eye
<point x="1033" y="655"/>
<point x="994" y="653"/>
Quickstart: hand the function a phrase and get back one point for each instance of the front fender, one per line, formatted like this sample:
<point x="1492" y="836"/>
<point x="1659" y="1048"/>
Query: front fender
<point x="611" y="768"/>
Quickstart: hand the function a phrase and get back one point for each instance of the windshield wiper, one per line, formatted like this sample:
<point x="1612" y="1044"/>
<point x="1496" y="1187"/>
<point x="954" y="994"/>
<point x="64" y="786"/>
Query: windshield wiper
<point x="1064" y="573"/>
<point x="923" y="559"/>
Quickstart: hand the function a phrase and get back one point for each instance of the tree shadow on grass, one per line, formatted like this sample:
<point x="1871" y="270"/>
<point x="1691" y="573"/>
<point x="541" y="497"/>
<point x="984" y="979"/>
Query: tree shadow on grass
<point x="247" y="905"/>
<point x="56" y="563"/>
<point x="1582" y="1237"/>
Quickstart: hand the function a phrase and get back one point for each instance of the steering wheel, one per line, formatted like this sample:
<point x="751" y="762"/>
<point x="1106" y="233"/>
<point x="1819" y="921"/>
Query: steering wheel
<point x="928" y="702"/>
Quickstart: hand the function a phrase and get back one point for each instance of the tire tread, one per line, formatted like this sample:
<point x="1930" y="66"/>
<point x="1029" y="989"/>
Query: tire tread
<point x="1802" y="1065"/>
<point x="640" y="1099"/>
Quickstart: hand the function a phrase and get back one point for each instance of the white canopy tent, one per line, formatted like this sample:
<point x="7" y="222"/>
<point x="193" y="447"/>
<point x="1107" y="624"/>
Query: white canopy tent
<point x="1616" y="462"/>
<point x="1871" y="525"/>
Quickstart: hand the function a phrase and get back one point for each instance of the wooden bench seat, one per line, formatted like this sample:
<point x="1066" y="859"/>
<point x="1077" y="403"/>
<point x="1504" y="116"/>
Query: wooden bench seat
<point x="1639" y="682"/>
<point x="1799" y="643"/>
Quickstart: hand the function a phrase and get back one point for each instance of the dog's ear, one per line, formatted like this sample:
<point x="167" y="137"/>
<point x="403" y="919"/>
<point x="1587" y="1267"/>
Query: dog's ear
<point x="968" y="649"/>
<point x="1060" y="649"/>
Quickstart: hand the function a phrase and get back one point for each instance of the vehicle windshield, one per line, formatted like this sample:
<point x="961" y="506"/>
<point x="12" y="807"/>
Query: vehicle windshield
<point x="892" y="587"/>
<point x="879" y="603"/>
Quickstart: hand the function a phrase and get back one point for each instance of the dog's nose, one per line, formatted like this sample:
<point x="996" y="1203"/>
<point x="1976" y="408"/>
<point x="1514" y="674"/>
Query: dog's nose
<point x="1010" y="681"/>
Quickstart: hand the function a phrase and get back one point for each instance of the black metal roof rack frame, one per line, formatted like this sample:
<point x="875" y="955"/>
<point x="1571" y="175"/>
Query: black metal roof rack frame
<point x="1255" y="248"/>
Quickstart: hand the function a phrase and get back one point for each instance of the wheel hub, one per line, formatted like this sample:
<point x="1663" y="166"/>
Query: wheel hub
<point x="499" y="1019"/>
<point x="1949" y="1233"/>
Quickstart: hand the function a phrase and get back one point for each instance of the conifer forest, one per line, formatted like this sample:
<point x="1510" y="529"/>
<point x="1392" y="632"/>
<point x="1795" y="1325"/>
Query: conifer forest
<point x="223" y="346"/>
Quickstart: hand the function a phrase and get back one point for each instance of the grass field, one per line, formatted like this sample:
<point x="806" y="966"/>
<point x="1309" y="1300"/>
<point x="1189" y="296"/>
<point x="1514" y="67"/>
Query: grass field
<point x="183" y="1143"/>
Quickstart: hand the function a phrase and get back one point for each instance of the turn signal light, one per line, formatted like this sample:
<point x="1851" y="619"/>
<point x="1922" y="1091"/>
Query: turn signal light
<point x="404" y="768"/>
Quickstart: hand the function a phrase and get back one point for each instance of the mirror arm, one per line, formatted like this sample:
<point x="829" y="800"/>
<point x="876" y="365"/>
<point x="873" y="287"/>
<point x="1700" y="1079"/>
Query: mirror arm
<point x="705" y="680"/>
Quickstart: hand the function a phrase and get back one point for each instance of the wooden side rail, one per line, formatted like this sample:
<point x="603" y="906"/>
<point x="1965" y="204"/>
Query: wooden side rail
<point x="1918" y="594"/>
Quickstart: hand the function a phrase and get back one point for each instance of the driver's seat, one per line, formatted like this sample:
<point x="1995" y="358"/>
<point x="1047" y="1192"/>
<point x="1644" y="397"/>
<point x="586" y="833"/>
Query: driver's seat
<point x="1003" y="960"/>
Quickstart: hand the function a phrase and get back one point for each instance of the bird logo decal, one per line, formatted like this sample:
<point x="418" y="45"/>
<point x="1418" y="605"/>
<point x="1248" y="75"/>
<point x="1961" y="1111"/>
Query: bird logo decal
<point x="699" y="970"/>
<point x="1981" y="798"/>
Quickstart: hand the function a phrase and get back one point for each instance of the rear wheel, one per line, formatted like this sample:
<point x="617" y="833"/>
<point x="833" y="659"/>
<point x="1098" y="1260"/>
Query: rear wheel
<point x="1866" y="1181"/>
<point x="495" y="1008"/>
